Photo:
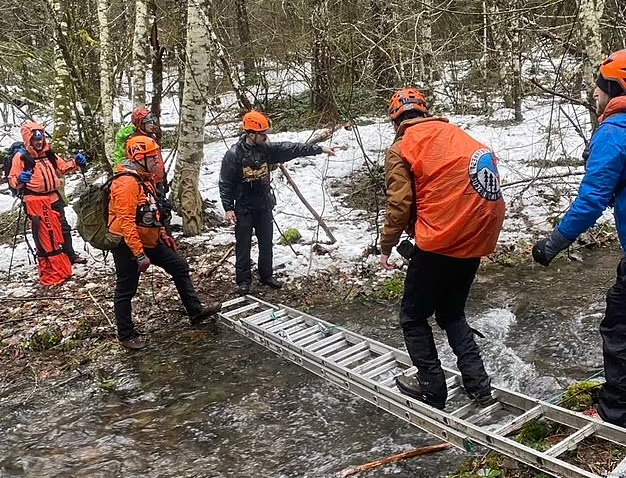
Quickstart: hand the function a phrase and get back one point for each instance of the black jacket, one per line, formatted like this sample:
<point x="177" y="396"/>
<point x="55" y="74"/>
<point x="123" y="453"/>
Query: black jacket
<point x="245" y="175"/>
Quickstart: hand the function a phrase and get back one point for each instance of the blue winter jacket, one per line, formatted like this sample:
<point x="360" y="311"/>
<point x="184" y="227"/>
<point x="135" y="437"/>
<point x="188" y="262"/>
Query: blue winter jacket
<point x="605" y="175"/>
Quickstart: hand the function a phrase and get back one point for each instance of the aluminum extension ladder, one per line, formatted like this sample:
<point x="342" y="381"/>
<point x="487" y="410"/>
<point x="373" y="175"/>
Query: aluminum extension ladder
<point x="368" y="369"/>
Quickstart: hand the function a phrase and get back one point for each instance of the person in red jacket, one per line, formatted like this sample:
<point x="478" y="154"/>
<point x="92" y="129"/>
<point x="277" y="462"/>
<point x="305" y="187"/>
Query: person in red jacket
<point x="135" y="217"/>
<point x="35" y="174"/>
<point x="443" y="188"/>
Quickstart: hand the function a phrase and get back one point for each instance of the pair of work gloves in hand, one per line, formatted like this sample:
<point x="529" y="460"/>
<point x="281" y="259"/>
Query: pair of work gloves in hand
<point x="26" y="176"/>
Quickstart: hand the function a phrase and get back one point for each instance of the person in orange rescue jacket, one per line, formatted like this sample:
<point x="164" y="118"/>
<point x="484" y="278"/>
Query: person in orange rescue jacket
<point x="35" y="173"/>
<point x="134" y="216"/>
<point x="443" y="189"/>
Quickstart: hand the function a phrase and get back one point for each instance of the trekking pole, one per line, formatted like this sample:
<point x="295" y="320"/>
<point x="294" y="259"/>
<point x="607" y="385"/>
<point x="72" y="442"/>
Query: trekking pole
<point x="17" y="227"/>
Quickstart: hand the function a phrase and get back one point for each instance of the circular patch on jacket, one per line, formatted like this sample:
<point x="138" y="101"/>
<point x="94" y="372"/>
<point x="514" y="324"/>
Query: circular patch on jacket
<point x="484" y="175"/>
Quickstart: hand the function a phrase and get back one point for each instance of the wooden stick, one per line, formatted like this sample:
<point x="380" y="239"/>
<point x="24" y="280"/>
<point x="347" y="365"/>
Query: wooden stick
<point x="319" y="219"/>
<point x="400" y="456"/>
<point x="212" y="270"/>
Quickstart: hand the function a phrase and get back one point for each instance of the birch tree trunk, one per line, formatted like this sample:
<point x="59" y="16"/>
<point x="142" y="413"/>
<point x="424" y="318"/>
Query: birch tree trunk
<point x="63" y="93"/>
<point x="140" y="37"/>
<point x="106" y="100"/>
<point x="322" y="91"/>
<point x="186" y="197"/>
<point x="428" y="71"/>
<point x="590" y="13"/>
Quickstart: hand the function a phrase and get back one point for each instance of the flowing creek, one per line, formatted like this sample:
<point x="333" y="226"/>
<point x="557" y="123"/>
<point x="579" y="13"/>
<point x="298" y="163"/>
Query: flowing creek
<point x="217" y="405"/>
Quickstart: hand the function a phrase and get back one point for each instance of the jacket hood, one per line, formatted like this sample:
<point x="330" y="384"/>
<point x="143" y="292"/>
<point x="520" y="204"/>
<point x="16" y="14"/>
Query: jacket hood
<point x="27" y="134"/>
<point x="616" y="105"/>
<point x="128" y="165"/>
<point x="412" y="122"/>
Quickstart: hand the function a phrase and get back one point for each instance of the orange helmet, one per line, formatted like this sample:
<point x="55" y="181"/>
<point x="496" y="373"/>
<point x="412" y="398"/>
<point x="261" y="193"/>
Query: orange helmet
<point x="138" y="147"/>
<point x="405" y="100"/>
<point x="256" y="122"/>
<point x="613" y="72"/>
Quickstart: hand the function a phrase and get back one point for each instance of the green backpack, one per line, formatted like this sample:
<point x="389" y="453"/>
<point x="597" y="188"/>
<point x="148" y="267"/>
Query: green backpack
<point x="92" y="213"/>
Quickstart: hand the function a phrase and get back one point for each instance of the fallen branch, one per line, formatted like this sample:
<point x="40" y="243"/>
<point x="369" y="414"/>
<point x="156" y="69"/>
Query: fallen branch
<point x="394" y="458"/>
<point x="319" y="219"/>
<point x="539" y="178"/>
<point x="212" y="270"/>
<point x="101" y="309"/>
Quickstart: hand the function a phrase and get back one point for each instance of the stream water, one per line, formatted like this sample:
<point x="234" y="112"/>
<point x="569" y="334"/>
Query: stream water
<point x="207" y="404"/>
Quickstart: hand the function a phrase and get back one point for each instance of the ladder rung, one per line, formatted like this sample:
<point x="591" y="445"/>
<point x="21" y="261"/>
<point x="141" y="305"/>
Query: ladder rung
<point x="452" y="382"/>
<point x="333" y="348"/>
<point x="272" y="329"/>
<point x="355" y="358"/>
<point x="388" y="382"/>
<point x="269" y="319"/>
<point x="619" y="471"/>
<point x="386" y="367"/>
<point x="234" y="301"/>
<point x="327" y="341"/>
<point x="453" y="392"/>
<point x="258" y="317"/>
<point x="462" y="411"/>
<point x="484" y="412"/>
<point x="241" y="310"/>
<point x="304" y="333"/>
<point x="304" y="342"/>
<point x="373" y="363"/>
<point x="350" y="350"/>
<point x="572" y="440"/>
<point x="517" y="422"/>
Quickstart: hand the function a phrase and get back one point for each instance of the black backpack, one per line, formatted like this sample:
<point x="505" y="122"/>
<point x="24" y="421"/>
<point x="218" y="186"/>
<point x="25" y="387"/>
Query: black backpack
<point x="29" y="162"/>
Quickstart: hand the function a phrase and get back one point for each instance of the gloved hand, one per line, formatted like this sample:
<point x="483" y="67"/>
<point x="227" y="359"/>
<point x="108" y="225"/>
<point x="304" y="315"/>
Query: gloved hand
<point x="142" y="263"/>
<point x="80" y="159"/>
<point x="169" y="241"/>
<point x="547" y="249"/>
<point x="25" y="177"/>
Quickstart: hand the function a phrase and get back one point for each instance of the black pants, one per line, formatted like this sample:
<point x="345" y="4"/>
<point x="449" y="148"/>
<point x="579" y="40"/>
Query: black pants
<point x="128" y="281"/>
<point x="68" y="248"/>
<point x="261" y="220"/>
<point x="439" y="285"/>
<point x="612" y="400"/>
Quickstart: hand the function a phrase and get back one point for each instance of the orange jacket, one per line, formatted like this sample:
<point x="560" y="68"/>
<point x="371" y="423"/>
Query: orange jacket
<point x="45" y="180"/>
<point x="127" y="201"/>
<point x="456" y="187"/>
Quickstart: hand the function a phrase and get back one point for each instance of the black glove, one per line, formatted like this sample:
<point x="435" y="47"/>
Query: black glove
<point x="547" y="249"/>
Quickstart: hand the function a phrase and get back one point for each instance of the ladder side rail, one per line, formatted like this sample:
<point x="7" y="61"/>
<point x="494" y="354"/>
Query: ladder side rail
<point x="421" y="415"/>
<point x="562" y="415"/>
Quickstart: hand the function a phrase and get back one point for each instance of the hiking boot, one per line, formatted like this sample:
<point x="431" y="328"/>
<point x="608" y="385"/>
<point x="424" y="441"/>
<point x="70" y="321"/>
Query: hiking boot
<point x="205" y="313"/>
<point x="411" y="387"/>
<point x="483" y="399"/>
<point x="134" y="343"/>
<point x="76" y="259"/>
<point x="272" y="282"/>
<point x="243" y="288"/>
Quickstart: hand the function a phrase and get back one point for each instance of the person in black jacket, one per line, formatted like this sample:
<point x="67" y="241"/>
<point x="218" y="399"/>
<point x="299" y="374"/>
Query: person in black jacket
<point x="247" y="197"/>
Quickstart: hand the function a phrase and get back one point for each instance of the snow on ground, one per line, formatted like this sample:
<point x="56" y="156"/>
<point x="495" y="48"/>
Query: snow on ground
<point x="545" y="136"/>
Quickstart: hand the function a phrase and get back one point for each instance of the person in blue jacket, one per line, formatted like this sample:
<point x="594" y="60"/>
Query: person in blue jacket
<point x="604" y="184"/>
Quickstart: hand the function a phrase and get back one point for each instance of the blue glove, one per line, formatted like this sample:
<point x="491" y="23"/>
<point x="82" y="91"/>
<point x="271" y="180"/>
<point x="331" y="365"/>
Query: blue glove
<point x="547" y="249"/>
<point x="80" y="159"/>
<point x="25" y="177"/>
